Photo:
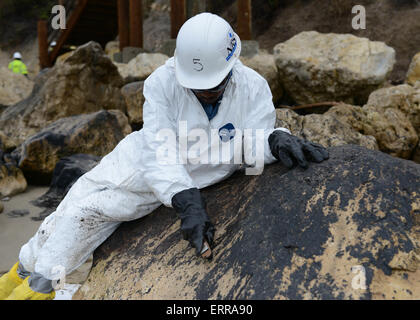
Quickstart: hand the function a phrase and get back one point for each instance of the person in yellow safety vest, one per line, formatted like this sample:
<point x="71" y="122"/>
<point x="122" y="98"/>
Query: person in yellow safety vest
<point x="17" y="66"/>
<point x="52" y="46"/>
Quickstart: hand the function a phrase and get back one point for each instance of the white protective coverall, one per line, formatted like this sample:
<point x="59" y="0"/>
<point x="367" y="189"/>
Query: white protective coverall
<point x="130" y="183"/>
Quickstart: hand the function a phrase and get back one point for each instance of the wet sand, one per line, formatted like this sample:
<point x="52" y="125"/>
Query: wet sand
<point x="16" y="230"/>
<point x="18" y="223"/>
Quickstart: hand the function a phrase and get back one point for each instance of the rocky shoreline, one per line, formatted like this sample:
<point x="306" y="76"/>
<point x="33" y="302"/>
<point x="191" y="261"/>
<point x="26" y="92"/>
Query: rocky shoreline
<point x="78" y="110"/>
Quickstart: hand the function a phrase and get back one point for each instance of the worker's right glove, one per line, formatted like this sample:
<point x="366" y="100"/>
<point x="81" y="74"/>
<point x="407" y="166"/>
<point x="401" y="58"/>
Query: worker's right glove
<point x="195" y="224"/>
<point x="290" y="149"/>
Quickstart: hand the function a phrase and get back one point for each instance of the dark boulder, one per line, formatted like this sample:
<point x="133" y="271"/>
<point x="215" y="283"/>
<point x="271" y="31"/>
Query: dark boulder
<point x="65" y="174"/>
<point x="319" y="233"/>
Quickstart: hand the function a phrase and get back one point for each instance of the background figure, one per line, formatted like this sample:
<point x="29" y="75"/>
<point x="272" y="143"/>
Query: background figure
<point x="17" y="66"/>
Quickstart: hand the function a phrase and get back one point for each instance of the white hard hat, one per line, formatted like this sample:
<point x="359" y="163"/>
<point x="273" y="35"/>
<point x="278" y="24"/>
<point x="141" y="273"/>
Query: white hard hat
<point x="17" y="55"/>
<point x="53" y="44"/>
<point x="206" y="50"/>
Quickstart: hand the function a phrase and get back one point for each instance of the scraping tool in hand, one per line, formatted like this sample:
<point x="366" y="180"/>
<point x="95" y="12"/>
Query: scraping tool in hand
<point x="206" y="251"/>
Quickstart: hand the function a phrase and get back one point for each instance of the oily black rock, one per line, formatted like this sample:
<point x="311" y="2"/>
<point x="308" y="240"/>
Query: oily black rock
<point x="284" y="234"/>
<point x="65" y="174"/>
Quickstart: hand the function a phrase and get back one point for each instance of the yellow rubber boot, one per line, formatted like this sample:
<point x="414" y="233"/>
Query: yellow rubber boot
<point x="9" y="281"/>
<point x="24" y="292"/>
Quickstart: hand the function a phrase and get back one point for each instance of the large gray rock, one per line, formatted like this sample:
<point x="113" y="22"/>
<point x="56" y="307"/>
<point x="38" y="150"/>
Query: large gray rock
<point x="133" y="95"/>
<point x="111" y="48"/>
<point x="141" y="66"/>
<point x="413" y="73"/>
<point x="6" y="142"/>
<point x="285" y="234"/>
<point x="265" y="65"/>
<point x="317" y="67"/>
<point x="373" y="127"/>
<point x="326" y="129"/>
<point x="249" y="48"/>
<point x="97" y="134"/>
<point x="392" y="130"/>
<point x="84" y="82"/>
<point x="168" y="47"/>
<point x="403" y="97"/>
<point x="157" y="26"/>
<point x="13" y="87"/>
<point x="12" y="180"/>
<point x="129" y="53"/>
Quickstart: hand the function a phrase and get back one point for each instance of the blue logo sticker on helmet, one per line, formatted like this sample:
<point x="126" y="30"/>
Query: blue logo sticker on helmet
<point x="227" y="132"/>
<point x="233" y="43"/>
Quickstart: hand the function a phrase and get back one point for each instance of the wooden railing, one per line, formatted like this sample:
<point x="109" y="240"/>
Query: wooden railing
<point x="53" y="34"/>
<point x="47" y="34"/>
<point x="179" y="9"/>
<point x="130" y="24"/>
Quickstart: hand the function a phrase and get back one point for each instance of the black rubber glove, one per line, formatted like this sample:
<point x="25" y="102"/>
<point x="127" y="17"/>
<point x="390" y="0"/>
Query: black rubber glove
<point x="195" y="224"/>
<point x="290" y="149"/>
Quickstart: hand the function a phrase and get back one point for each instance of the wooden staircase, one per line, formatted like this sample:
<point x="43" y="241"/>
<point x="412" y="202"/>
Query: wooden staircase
<point x="103" y="20"/>
<point x="86" y="20"/>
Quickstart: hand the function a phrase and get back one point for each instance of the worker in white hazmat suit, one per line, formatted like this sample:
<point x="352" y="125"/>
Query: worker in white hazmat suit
<point x="201" y="108"/>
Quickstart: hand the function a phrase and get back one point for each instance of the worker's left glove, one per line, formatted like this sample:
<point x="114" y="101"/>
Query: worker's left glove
<point x="290" y="149"/>
<point x="195" y="224"/>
